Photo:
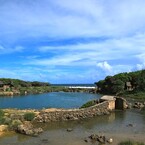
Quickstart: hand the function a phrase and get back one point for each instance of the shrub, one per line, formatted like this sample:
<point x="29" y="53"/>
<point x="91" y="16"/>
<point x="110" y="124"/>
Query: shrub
<point x="130" y="143"/>
<point x="1" y="113"/>
<point x="29" y="116"/>
<point x="89" y="104"/>
<point x="2" y="120"/>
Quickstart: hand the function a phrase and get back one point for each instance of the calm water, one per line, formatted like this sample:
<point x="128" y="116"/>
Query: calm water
<point x="114" y="126"/>
<point x="48" y="100"/>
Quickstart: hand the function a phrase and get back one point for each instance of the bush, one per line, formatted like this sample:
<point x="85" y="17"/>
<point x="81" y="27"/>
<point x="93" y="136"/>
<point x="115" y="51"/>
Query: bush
<point x="89" y="104"/>
<point x="1" y="113"/>
<point x="29" y="116"/>
<point x="130" y="143"/>
<point x="2" y="120"/>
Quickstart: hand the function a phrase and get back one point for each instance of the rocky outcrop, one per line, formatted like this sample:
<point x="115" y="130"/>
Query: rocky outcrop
<point x="102" y="139"/>
<point x="73" y="114"/>
<point x="3" y="128"/>
<point x="28" y="129"/>
<point x="139" y="105"/>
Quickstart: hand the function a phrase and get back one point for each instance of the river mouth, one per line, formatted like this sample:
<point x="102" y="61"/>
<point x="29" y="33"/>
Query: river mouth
<point x="115" y="125"/>
<point x="48" y="100"/>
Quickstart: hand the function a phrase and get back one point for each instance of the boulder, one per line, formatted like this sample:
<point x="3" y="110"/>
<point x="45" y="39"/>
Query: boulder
<point x="69" y="129"/>
<point x="28" y="129"/>
<point x="3" y="128"/>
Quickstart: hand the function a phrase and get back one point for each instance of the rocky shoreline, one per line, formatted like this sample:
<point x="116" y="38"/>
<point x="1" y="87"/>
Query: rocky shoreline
<point x="16" y="119"/>
<point x="23" y="121"/>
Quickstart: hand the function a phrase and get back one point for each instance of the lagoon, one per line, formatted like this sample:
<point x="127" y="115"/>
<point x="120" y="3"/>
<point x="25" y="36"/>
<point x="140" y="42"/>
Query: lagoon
<point x="48" y="100"/>
<point x="114" y="125"/>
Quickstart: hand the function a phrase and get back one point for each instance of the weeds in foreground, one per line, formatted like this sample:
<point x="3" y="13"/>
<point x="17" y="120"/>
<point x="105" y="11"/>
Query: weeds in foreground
<point x="131" y="143"/>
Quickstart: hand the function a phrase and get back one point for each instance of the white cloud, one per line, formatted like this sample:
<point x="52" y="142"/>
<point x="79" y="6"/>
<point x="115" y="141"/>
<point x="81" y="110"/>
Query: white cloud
<point x="73" y="18"/>
<point x="105" y="66"/>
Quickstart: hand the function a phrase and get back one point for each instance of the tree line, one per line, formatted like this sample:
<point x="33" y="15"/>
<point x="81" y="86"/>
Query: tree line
<point x="122" y="82"/>
<point x="21" y="83"/>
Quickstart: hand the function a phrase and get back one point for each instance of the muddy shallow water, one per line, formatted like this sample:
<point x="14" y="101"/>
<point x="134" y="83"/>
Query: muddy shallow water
<point x="115" y="126"/>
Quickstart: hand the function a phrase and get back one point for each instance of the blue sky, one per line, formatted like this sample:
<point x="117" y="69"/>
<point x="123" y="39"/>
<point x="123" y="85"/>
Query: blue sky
<point x="71" y="41"/>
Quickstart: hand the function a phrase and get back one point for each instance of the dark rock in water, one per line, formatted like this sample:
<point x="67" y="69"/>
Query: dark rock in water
<point x="94" y="137"/>
<point x="45" y="140"/>
<point x="86" y="140"/>
<point x="101" y="139"/>
<point x="69" y="129"/>
<point x="138" y="105"/>
<point x="28" y="129"/>
<point x="130" y="125"/>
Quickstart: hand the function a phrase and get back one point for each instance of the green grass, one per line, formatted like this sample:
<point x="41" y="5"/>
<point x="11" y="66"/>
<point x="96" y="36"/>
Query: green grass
<point x="131" y="143"/>
<point x="138" y="95"/>
<point x="29" y="116"/>
<point x="89" y="104"/>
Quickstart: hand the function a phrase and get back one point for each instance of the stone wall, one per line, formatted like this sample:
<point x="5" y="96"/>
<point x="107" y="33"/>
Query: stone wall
<point x="48" y="115"/>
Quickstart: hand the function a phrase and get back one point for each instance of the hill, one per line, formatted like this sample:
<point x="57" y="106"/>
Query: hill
<point x="121" y="83"/>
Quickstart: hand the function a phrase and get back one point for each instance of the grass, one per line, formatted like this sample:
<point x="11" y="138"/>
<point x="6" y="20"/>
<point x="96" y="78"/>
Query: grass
<point x="131" y="143"/>
<point x="138" y="95"/>
<point x="29" y="116"/>
<point x="89" y="104"/>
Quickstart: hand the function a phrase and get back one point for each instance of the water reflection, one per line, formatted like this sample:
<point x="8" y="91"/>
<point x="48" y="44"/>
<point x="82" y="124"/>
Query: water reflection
<point x="56" y="134"/>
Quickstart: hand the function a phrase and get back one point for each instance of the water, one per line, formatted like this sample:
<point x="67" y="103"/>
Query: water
<point x="114" y="126"/>
<point x="48" y="100"/>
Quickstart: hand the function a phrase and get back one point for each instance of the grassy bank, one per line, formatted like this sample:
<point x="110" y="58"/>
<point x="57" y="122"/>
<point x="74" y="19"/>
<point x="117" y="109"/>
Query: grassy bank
<point x="137" y="95"/>
<point x="131" y="143"/>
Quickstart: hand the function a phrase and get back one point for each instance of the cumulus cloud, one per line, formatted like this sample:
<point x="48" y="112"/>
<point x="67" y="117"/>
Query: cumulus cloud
<point x="105" y="66"/>
<point x="68" y="37"/>
<point x="62" y="18"/>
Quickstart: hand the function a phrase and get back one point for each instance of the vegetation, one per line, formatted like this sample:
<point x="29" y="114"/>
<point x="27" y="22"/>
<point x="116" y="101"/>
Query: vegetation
<point x="89" y="104"/>
<point x="29" y="116"/>
<point x="130" y="143"/>
<point x="129" y="83"/>
<point x="21" y="83"/>
<point x="2" y="117"/>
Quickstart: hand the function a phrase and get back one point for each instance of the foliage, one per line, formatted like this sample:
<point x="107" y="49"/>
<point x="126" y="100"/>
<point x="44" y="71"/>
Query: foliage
<point x="88" y="104"/>
<point x="130" y="143"/>
<point x="21" y="83"/>
<point x="29" y="116"/>
<point x="2" y="117"/>
<point x="1" y="113"/>
<point x="117" y="84"/>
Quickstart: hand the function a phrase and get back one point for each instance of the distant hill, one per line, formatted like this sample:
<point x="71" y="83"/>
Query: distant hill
<point x="122" y="82"/>
<point x="21" y="83"/>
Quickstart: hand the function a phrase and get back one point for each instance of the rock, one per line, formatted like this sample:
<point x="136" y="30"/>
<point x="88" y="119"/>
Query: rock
<point x="86" y="140"/>
<point x="94" y="137"/>
<point x="101" y="139"/>
<point x="69" y="129"/>
<point x="110" y="140"/>
<point x="129" y="106"/>
<point x="3" y="128"/>
<point x="130" y="125"/>
<point x="45" y="140"/>
<point x="27" y="129"/>
<point x="138" y="105"/>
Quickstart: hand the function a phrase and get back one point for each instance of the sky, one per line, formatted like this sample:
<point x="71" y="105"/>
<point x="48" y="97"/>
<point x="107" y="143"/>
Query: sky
<point x="71" y="41"/>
